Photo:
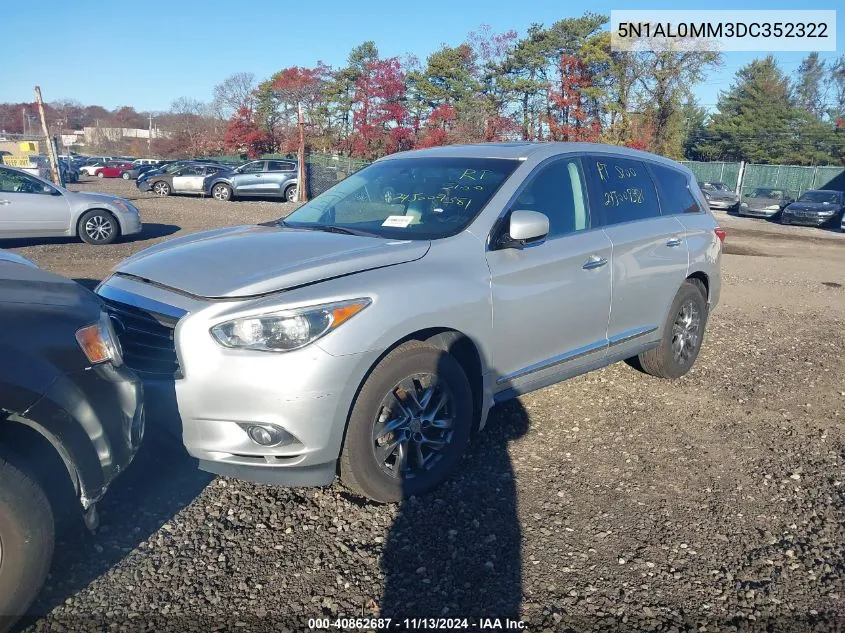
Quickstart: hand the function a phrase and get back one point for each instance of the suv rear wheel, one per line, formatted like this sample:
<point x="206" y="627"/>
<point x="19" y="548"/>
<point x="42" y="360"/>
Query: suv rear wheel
<point x="683" y="334"/>
<point x="27" y="538"/>
<point x="409" y="426"/>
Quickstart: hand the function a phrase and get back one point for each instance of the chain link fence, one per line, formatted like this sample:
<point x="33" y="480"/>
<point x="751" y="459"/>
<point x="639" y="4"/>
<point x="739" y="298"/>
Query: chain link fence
<point x="793" y="178"/>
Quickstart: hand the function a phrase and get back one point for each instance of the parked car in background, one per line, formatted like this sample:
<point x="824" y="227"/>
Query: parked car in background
<point x="71" y="418"/>
<point x="388" y="329"/>
<point x="819" y="207"/>
<point x="146" y="161"/>
<point x="113" y="169"/>
<point x="271" y="178"/>
<point x="90" y="167"/>
<point x="33" y="207"/>
<point x="187" y="178"/>
<point x="764" y="202"/>
<point x="719" y="195"/>
<point x="132" y="172"/>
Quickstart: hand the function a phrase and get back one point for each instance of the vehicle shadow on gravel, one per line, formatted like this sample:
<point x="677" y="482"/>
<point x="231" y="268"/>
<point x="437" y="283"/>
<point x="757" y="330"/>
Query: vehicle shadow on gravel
<point x="456" y="552"/>
<point x="160" y="482"/>
<point x="150" y="231"/>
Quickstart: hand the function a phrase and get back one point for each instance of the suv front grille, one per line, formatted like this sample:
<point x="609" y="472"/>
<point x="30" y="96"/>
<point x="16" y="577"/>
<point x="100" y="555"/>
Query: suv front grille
<point x="147" y="339"/>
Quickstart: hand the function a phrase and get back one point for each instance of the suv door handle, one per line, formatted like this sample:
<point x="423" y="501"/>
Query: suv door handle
<point x="594" y="261"/>
<point x="674" y="241"/>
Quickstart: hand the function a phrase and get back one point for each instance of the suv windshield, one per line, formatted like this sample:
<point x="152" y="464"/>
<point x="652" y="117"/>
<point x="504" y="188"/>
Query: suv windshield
<point x="407" y="198"/>
<point x="819" y="196"/>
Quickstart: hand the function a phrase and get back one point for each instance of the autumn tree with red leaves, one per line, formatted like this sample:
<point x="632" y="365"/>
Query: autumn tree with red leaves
<point x="380" y="116"/>
<point x="244" y="136"/>
<point x="569" y="119"/>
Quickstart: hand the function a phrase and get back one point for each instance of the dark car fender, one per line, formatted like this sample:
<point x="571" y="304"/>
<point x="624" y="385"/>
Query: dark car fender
<point x="96" y="437"/>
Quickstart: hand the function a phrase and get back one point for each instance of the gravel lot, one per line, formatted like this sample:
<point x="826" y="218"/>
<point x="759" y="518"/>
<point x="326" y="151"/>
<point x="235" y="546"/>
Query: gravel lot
<point x="614" y="501"/>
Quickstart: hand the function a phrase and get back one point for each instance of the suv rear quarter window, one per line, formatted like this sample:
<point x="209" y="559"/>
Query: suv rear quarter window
<point x="675" y="195"/>
<point x="621" y="189"/>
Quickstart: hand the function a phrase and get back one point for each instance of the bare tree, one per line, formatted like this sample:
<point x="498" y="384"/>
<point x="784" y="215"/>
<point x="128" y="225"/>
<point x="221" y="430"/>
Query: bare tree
<point x="233" y="93"/>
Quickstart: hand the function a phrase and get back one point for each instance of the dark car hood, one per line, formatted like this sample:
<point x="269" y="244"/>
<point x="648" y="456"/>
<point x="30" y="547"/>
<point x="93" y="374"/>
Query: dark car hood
<point x="812" y="206"/>
<point x="20" y="284"/>
<point x="254" y="260"/>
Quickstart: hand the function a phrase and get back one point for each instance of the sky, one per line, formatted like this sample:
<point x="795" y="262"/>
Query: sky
<point x="148" y="54"/>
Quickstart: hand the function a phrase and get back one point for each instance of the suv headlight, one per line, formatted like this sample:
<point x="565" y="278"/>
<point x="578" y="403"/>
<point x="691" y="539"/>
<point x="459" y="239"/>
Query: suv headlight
<point x="99" y="342"/>
<point x="286" y="330"/>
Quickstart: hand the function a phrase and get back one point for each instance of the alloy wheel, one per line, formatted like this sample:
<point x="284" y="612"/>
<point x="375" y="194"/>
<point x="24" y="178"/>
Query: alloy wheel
<point x="221" y="193"/>
<point x="413" y="427"/>
<point x="98" y="228"/>
<point x="160" y="189"/>
<point x="686" y="333"/>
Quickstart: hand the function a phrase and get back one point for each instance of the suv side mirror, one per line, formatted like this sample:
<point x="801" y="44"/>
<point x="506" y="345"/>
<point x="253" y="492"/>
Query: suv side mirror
<point x="525" y="227"/>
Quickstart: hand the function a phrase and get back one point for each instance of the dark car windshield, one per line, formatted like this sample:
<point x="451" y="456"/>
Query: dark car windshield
<point x="714" y="186"/>
<point x="819" y="196"/>
<point x="408" y="198"/>
<point x="767" y="193"/>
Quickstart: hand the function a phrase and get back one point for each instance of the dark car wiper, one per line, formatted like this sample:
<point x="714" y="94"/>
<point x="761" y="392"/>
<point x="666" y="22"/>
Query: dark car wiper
<point x="328" y="228"/>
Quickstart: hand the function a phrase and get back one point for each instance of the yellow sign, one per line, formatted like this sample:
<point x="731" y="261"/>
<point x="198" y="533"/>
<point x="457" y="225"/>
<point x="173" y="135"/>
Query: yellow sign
<point x="29" y="146"/>
<point x="16" y="161"/>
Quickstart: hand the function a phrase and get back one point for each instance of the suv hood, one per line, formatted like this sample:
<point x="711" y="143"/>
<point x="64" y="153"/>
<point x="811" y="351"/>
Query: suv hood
<point x="253" y="260"/>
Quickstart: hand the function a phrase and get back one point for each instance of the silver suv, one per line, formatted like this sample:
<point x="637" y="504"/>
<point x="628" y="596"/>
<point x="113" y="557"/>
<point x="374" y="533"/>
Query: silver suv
<point x="369" y="333"/>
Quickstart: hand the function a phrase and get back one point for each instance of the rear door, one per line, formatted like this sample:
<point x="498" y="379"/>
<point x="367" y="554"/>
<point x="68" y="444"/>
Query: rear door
<point x="189" y="179"/>
<point x="650" y="257"/>
<point x="279" y="172"/>
<point x="27" y="210"/>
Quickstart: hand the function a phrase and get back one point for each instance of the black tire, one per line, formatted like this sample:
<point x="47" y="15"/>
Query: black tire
<point x="361" y="470"/>
<point x="290" y="193"/>
<point x="784" y="220"/>
<point x="160" y="188"/>
<point x="125" y="175"/>
<point x="98" y="227"/>
<point x="27" y="537"/>
<point x="222" y="192"/>
<point x="664" y="361"/>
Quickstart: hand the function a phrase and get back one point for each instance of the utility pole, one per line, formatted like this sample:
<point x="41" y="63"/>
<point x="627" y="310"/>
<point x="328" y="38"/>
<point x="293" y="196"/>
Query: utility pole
<point x="150" y="138"/>
<point x="23" y="112"/>
<point x="54" y="160"/>
<point x="302" y="185"/>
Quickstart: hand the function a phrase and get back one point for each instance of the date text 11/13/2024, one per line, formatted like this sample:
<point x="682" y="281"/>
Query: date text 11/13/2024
<point x="416" y="624"/>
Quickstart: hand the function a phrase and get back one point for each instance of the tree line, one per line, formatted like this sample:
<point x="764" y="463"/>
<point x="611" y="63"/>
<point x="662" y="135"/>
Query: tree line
<point x="555" y="83"/>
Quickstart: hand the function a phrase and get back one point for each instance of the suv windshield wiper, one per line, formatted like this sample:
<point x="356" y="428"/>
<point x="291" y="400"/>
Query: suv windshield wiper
<point x="328" y="228"/>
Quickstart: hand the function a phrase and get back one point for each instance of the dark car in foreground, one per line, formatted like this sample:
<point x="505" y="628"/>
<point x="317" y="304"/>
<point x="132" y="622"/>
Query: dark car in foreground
<point x="719" y="195"/>
<point x="819" y="207"/>
<point x="764" y="202"/>
<point x="271" y="178"/>
<point x="71" y="418"/>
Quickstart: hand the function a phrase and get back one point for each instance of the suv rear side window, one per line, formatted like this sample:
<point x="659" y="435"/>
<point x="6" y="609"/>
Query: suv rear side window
<point x="675" y="196"/>
<point x="621" y="189"/>
<point x="277" y="165"/>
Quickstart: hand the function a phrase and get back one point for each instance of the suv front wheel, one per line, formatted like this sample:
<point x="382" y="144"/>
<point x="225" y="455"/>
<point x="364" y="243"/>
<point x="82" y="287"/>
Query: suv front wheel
<point x="683" y="334"/>
<point x="409" y="426"/>
<point x="26" y="542"/>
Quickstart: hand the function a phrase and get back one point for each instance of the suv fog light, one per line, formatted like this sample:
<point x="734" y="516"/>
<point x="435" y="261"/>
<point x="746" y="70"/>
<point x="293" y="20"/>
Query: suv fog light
<point x="268" y="435"/>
